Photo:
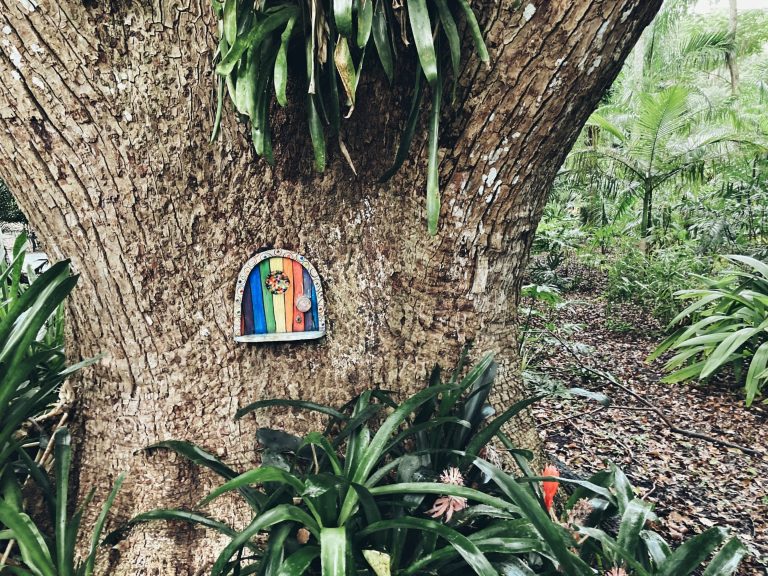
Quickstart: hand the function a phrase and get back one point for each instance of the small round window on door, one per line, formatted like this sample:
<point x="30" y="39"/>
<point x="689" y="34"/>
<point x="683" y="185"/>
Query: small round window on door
<point x="278" y="297"/>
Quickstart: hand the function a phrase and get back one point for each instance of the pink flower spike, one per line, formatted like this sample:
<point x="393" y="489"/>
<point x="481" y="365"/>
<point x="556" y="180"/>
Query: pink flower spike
<point x="453" y="476"/>
<point x="446" y="506"/>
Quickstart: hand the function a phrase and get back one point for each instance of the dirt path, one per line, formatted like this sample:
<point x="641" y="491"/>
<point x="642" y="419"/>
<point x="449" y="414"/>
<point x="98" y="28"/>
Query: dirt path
<point x="694" y="484"/>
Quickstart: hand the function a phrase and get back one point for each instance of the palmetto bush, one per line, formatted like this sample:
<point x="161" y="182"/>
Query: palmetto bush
<point x="727" y="326"/>
<point x="422" y="492"/>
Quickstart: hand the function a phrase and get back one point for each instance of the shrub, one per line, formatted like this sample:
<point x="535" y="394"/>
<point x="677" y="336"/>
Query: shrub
<point x="32" y="361"/>
<point x="728" y="327"/>
<point x="650" y="280"/>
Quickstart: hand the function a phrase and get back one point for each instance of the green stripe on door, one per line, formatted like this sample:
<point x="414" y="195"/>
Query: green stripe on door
<point x="269" y="311"/>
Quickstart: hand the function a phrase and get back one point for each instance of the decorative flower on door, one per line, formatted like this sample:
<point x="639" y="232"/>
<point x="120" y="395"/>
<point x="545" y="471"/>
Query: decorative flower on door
<point x="278" y="297"/>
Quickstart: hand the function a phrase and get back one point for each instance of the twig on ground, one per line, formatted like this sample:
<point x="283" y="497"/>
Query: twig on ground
<point x="677" y="430"/>
<point x="649" y="492"/>
<point x="591" y="412"/>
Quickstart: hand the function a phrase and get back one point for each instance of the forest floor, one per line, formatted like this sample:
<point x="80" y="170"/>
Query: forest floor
<point x="693" y="483"/>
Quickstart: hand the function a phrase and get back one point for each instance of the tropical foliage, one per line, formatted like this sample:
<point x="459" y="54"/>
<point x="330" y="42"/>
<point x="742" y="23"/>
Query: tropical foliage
<point x="42" y="555"/>
<point x="424" y="493"/>
<point x="324" y="44"/>
<point x="671" y="172"/>
<point x="32" y="370"/>
<point x="728" y="327"/>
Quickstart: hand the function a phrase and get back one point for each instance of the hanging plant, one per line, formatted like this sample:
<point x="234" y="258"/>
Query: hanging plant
<point x="252" y="64"/>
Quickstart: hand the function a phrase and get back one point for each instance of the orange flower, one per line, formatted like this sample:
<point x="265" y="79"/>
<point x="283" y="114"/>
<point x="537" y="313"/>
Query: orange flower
<point x="549" y="486"/>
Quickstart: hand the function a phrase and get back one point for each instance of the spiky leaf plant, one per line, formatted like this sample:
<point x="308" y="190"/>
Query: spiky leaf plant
<point x="324" y="44"/>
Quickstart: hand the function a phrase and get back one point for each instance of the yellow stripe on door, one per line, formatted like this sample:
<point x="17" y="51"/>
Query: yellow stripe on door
<point x="278" y="300"/>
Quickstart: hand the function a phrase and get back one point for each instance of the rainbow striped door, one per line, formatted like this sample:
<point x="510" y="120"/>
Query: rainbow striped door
<point x="278" y="297"/>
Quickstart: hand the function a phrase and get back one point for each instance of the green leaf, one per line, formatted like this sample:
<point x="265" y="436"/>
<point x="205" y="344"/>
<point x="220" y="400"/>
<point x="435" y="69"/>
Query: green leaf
<point x="454" y="42"/>
<point x="317" y="439"/>
<point x="34" y="550"/>
<point x="444" y="490"/>
<point x="421" y="28"/>
<point x="62" y="462"/>
<point x="230" y="21"/>
<point x="693" y="552"/>
<point x="280" y="513"/>
<point x="256" y="476"/>
<point x="275" y="18"/>
<point x="709" y="298"/>
<point x="425" y="426"/>
<point x="381" y="39"/>
<point x="474" y="28"/>
<point x="433" y="184"/>
<point x="496" y="545"/>
<point x="550" y="532"/>
<point x="197" y="455"/>
<point x="486" y="434"/>
<point x="756" y="369"/>
<point x="219" y="108"/>
<point x="727" y="560"/>
<point x="463" y="545"/>
<point x="754" y="263"/>
<point x="99" y="526"/>
<point x="333" y="551"/>
<point x="632" y="523"/>
<point x="615" y="552"/>
<point x="316" y="133"/>
<point x="275" y="553"/>
<point x="727" y="347"/>
<point x="312" y="406"/>
<point x="173" y="516"/>
<point x="281" y="64"/>
<point x="658" y="549"/>
<point x="342" y="16"/>
<point x="364" y="22"/>
<point x="298" y="562"/>
<point x="375" y="449"/>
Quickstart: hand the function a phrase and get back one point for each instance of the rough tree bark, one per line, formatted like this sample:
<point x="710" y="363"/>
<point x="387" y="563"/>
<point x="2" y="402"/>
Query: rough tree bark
<point x="105" y="110"/>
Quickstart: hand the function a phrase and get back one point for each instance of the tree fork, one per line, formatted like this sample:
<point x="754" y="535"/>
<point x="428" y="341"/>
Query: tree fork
<point x="105" y="110"/>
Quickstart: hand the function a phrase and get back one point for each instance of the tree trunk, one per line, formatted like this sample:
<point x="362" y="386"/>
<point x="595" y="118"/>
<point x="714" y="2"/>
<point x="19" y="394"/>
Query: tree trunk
<point x="105" y="110"/>
<point x="646" y="219"/>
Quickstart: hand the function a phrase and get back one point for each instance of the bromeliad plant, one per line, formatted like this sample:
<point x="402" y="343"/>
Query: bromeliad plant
<point x="413" y="497"/>
<point x="632" y="546"/>
<point x="728" y="326"/>
<point x="32" y="369"/>
<point x="354" y="500"/>
<point x="42" y="555"/>
<point x="32" y="361"/>
<point x="331" y="41"/>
